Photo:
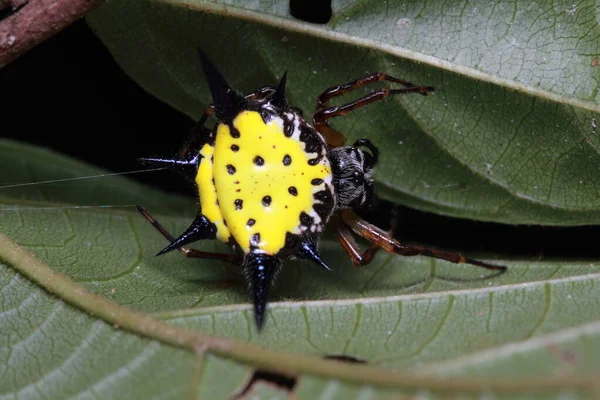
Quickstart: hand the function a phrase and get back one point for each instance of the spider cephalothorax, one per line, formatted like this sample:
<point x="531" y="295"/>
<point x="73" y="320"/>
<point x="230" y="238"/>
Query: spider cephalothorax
<point x="269" y="182"/>
<point x="353" y="174"/>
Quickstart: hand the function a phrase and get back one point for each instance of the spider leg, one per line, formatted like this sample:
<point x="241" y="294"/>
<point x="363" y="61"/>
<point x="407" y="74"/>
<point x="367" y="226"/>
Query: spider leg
<point x="339" y="90"/>
<point x="357" y="256"/>
<point x="199" y="135"/>
<point x="260" y="93"/>
<point x="325" y="112"/>
<point x="187" y="252"/>
<point x="321" y="116"/>
<point x="381" y="238"/>
<point x="346" y="238"/>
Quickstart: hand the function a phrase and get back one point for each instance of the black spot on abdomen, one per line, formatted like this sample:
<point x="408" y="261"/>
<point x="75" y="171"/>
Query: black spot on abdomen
<point x="311" y="142"/>
<point x="324" y="196"/>
<point x="258" y="160"/>
<point x="288" y="130"/>
<point x="314" y="161"/>
<point x="324" y="210"/>
<point x="305" y="219"/>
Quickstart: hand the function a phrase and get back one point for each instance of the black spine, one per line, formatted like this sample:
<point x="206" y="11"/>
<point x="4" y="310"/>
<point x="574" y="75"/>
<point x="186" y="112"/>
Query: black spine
<point x="261" y="270"/>
<point x="226" y="101"/>
<point x="201" y="228"/>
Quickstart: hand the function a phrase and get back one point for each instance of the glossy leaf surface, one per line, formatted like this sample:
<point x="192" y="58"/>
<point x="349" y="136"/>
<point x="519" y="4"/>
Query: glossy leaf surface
<point x="538" y="320"/>
<point x="509" y="135"/>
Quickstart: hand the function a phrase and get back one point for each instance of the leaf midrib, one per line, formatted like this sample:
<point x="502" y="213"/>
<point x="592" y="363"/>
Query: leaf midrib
<point x="172" y="314"/>
<point x="329" y="34"/>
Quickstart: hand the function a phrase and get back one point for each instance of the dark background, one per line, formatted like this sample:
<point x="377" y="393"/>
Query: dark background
<point x="69" y="95"/>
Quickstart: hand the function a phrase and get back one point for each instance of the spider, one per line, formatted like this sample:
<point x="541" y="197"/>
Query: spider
<point x="269" y="182"/>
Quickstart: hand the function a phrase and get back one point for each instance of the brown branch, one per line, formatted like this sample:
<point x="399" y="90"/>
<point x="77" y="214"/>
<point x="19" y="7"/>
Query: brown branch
<point x="35" y="21"/>
<point x="12" y="4"/>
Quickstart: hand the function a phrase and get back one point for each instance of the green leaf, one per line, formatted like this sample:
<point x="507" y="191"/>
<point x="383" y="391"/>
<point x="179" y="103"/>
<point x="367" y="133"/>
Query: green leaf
<point x="509" y="135"/>
<point x="532" y="330"/>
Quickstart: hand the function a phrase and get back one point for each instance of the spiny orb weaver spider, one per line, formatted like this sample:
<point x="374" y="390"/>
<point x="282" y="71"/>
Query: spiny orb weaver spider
<point x="269" y="182"/>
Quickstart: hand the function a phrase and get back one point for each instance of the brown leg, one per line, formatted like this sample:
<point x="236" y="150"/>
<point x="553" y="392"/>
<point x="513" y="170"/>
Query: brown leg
<point x="260" y="93"/>
<point x="344" y="235"/>
<point x="324" y="112"/>
<point x="333" y="137"/>
<point x="339" y="90"/>
<point x="349" y="244"/>
<point x="379" y="237"/>
<point x="199" y="135"/>
<point x="184" y="250"/>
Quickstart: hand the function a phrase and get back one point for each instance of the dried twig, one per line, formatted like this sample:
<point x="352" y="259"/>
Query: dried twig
<point x="12" y="4"/>
<point x="34" y="21"/>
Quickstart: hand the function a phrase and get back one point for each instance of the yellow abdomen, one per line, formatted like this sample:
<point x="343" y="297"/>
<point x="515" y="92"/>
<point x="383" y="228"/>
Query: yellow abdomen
<point x="263" y="183"/>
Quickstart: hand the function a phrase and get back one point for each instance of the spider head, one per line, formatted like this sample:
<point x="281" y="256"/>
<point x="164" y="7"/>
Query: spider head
<point x="352" y="170"/>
